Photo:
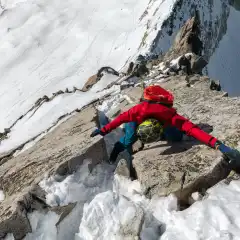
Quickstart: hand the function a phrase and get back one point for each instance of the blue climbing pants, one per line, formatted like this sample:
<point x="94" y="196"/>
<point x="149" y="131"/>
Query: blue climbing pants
<point x="130" y="136"/>
<point x="170" y="134"/>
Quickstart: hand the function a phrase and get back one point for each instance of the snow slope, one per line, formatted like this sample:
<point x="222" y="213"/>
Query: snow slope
<point x="33" y="124"/>
<point x="50" y="45"/>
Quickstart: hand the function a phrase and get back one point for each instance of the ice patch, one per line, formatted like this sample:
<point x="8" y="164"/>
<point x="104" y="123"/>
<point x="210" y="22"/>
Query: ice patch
<point x="79" y="187"/>
<point x="43" y="226"/>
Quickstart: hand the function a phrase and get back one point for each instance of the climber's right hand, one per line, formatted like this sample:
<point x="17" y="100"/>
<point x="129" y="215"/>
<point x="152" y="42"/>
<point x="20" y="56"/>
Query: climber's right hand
<point x="97" y="132"/>
<point x="231" y="155"/>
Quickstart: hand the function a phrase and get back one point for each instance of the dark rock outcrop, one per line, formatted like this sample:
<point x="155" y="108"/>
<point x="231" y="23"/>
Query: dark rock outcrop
<point x="187" y="40"/>
<point x="97" y="77"/>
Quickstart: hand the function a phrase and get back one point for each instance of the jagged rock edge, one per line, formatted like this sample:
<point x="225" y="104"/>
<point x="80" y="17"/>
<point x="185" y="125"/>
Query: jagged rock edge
<point x="45" y="99"/>
<point x="7" y="155"/>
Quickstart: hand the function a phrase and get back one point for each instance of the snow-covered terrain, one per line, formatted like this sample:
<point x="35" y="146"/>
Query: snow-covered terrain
<point x="2" y="196"/>
<point x="48" y="46"/>
<point x="120" y="211"/>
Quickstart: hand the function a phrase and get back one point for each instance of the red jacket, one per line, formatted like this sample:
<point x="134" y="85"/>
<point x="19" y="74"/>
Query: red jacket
<point x="168" y="116"/>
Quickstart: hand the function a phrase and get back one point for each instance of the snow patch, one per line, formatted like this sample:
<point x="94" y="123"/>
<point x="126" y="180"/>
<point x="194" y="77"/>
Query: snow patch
<point x="2" y="195"/>
<point x="43" y="226"/>
<point x="9" y="237"/>
<point x="119" y="210"/>
<point x="79" y="187"/>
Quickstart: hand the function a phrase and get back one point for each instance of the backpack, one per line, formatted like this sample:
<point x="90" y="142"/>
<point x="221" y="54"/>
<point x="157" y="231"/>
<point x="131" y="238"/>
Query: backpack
<point x="150" y="130"/>
<point x="155" y="93"/>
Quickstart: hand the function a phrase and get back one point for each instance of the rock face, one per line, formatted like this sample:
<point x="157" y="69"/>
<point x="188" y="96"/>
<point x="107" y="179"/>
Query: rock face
<point x="187" y="40"/>
<point x="189" y="166"/>
<point x="61" y="152"/>
<point x="213" y="16"/>
<point x="122" y="169"/>
<point x="90" y="82"/>
<point x="161" y="166"/>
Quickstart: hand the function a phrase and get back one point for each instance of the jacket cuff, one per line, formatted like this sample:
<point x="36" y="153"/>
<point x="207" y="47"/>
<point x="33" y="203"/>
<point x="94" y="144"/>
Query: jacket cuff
<point x="212" y="142"/>
<point x="217" y="144"/>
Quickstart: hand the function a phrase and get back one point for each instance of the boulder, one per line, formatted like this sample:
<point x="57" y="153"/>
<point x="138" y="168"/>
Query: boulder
<point x="122" y="168"/>
<point x="197" y="64"/>
<point x="66" y="90"/>
<point x="90" y="82"/>
<point x="96" y="77"/>
<point x="108" y="70"/>
<point x="75" y="89"/>
<point x="45" y="98"/>
<point x="59" y="92"/>
<point x="138" y="69"/>
<point x="130" y="68"/>
<point x="38" y="102"/>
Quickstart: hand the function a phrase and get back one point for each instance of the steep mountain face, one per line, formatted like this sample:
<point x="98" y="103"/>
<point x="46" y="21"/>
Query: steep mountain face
<point x="224" y="63"/>
<point x="213" y="17"/>
<point x="219" y="34"/>
<point x="49" y="46"/>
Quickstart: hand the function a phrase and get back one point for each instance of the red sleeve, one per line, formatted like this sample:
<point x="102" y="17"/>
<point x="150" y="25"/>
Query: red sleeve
<point x="192" y="130"/>
<point x="128" y="116"/>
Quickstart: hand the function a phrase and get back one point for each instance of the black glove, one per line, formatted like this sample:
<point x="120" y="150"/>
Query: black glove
<point x="97" y="132"/>
<point x="231" y="155"/>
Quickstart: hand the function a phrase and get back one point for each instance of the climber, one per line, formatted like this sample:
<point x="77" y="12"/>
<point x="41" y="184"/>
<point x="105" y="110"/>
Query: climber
<point x="157" y="103"/>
